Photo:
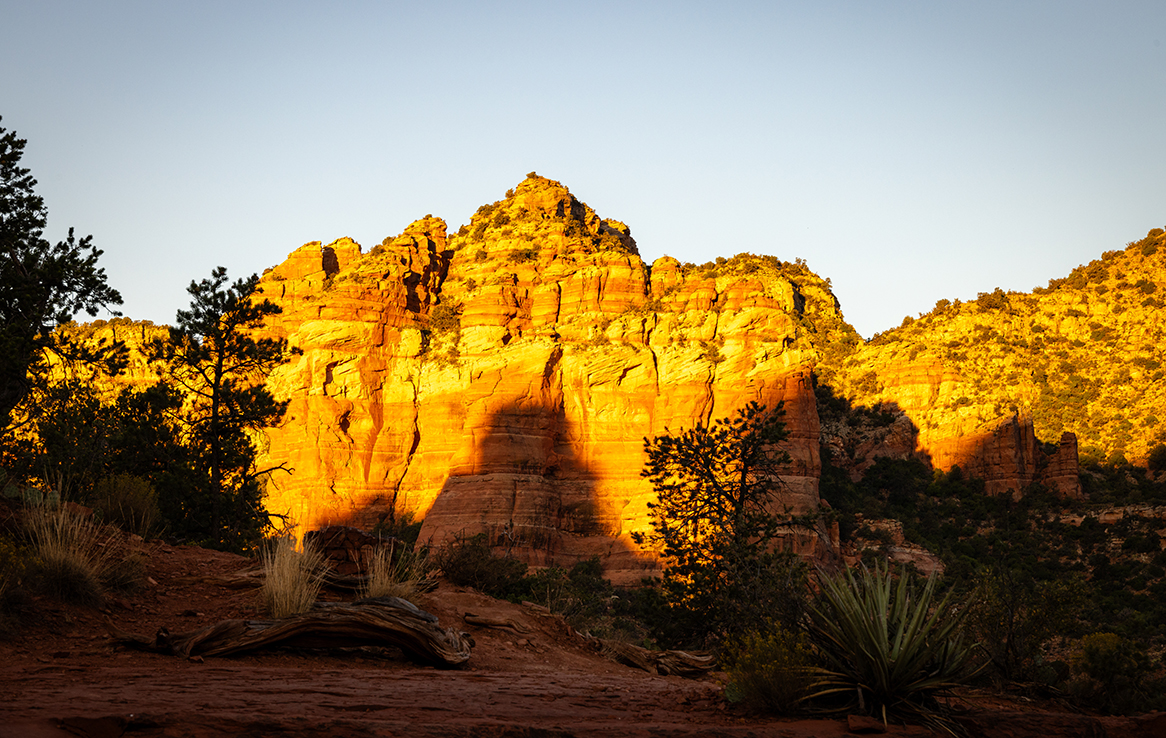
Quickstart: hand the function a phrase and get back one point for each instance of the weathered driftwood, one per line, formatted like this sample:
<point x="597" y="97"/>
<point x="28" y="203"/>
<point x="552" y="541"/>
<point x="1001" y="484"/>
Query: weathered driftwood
<point x="380" y="621"/>
<point x="680" y="663"/>
<point x="493" y="622"/>
<point x="245" y="579"/>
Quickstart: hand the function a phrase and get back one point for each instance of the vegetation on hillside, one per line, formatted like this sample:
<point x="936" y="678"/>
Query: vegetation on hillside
<point x="538" y="217"/>
<point x="1060" y="593"/>
<point x="874" y="643"/>
<point x="1084" y="355"/>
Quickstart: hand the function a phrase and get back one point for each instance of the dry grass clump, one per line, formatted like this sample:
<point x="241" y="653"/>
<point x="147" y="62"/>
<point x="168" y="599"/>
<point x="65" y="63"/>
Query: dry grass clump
<point x="292" y="579"/>
<point x="128" y="502"/>
<point x="79" y="560"/>
<point x="404" y="576"/>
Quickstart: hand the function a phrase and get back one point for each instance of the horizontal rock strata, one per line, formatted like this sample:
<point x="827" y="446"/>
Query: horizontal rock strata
<point x="502" y="380"/>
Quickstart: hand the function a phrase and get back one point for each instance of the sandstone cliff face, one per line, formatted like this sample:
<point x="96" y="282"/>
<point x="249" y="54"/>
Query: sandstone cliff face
<point x="133" y="335"/>
<point x="501" y="380"/>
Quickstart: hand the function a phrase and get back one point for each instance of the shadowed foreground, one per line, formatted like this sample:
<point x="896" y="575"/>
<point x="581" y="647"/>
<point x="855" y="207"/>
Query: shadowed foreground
<point x="528" y="674"/>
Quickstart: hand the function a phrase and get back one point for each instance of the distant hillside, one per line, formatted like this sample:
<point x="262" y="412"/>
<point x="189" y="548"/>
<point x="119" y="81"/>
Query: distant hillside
<point x="1084" y="355"/>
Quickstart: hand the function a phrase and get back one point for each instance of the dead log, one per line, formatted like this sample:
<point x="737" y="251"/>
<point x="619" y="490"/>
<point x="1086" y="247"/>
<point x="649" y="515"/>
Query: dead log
<point x="491" y="622"/>
<point x="679" y="663"/>
<point x="380" y="621"/>
<point x="685" y="663"/>
<point x="245" y="579"/>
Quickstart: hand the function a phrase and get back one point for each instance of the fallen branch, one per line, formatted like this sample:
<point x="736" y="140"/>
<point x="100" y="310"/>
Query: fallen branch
<point x="379" y="621"/>
<point x="490" y="622"/>
<point x="680" y="663"/>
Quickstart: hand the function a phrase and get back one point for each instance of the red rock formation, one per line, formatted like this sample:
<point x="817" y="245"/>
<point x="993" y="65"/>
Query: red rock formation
<point x="1062" y="471"/>
<point x="502" y="380"/>
<point x="937" y="423"/>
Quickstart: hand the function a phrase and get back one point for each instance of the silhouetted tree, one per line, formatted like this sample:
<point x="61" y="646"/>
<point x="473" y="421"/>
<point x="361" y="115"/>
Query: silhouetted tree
<point x="717" y="518"/>
<point x="41" y="285"/>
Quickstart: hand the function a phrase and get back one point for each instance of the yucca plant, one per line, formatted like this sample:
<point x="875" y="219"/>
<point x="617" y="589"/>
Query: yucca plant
<point x="888" y="648"/>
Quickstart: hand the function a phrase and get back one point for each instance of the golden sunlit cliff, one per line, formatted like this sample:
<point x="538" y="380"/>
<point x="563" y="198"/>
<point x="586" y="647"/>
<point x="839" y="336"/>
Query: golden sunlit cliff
<point x="501" y="380"/>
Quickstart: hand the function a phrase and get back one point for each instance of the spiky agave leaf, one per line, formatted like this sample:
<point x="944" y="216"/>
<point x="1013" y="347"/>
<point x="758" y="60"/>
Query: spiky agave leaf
<point x="888" y="645"/>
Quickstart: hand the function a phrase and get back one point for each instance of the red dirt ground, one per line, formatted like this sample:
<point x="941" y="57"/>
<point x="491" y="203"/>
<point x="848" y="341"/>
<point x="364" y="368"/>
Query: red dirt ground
<point x="61" y="676"/>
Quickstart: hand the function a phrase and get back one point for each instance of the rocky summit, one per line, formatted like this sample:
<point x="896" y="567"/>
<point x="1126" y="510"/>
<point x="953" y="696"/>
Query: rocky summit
<point x="501" y="380"/>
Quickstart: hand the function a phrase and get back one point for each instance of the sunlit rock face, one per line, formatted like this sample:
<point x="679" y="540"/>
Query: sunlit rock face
<point x="933" y="419"/>
<point x="502" y="380"/>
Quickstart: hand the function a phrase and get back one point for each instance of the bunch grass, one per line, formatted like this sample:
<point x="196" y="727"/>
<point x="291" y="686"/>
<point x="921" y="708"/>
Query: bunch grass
<point x="128" y="502"/>
<point x="79" y="560"/>
<point x="404" y="574"/>
<point x="292" y="578"/>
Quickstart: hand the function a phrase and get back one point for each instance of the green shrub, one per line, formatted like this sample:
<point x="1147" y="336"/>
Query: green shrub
<point x="471" y="563"/>
<point x="519" y="256"/>
<point x="1014" y="617"/>
<point x="292" y="579"/>
<point x="16" y="565"/>
<point x="580" y="594"/>
<point x="445" y="317"/>
<point x="401" y="527"/>
<point x="1157" y="458"/>
<point x="887" y="648"/>
<point x="711" y="352"/>
<point x="1111" y="674"/>
<point x="995" y="300"/>
<point x="771" y="671"/>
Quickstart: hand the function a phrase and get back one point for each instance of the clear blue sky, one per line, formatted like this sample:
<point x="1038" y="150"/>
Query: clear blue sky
<point x="908" y="151"/>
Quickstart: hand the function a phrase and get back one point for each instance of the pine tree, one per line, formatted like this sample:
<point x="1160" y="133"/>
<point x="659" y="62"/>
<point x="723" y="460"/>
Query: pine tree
<point x="41" y="285"/>
<point x="215" y="360"/>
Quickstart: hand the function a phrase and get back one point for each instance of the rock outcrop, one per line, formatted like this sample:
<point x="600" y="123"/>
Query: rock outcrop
<point x="502" y="380"/>
<point x="1002" y="450"/>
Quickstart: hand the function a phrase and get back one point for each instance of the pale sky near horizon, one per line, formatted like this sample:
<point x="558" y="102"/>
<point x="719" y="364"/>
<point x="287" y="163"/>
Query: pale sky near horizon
<point x="908" y="151"/>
